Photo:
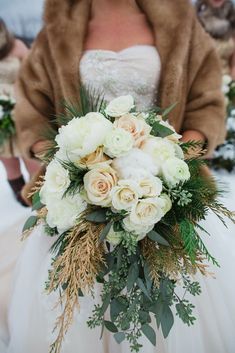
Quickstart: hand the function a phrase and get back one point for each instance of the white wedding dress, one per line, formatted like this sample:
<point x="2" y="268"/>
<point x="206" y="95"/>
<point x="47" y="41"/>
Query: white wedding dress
<point x="135" y="70"/>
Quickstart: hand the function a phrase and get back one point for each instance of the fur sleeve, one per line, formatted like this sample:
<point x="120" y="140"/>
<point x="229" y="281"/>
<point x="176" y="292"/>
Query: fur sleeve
<point x="34" y="107"/>
<point x="205" y="110"/>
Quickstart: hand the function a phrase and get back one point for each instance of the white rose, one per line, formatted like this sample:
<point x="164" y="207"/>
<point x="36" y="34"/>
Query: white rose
<point x="174" y="171"/>
<point x="146" y="212"/>
<point x="114" y="238"/>
<point x="98" y="183"/>
<point x="63" y="212"/>
<point x="56" y="178"/>
<point x="120" y="106"/>
<point x="125" y="195"/>
<point x="140" y="230"/>
<point x="118" y="142"/>
<point x="136" y="126"/>
<point x="166" y="203"/>
<point x="150" y="186"/>
<point x="82" y="136"/>
<point x="135" y="162"/>
<point x="159" y="149"/>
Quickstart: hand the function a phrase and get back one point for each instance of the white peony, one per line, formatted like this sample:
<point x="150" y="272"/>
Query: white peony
<point x="125" y="195"/>
<point x="82" y="136"/>
<point x="118" y="142"/>
<point x="114" y="238"/>
<point x="174" y="171"/>
<point x="134" y="163"/>
<point x="63" y="212"/>
<point x="56" y="178"/>
<point x="159" y="149"/>
<point x="136" y="126"/>
<point x="120" y="106"/>
<point x="140" y="230"/>
<point x="98" y="183"/>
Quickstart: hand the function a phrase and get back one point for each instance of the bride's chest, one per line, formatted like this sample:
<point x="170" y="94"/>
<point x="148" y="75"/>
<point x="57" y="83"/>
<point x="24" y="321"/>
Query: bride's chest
<point x="118" y="33"/>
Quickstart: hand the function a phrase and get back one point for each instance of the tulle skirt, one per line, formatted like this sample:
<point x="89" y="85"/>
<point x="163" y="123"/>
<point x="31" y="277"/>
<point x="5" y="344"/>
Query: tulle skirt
<point x="32" y="314"/>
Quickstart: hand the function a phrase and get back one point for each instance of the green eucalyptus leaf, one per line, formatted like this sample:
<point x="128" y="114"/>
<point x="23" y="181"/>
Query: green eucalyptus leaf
<point x="144" y="317"/>
<point x="141" y="285"/>
<point x="153" y="235"/>
<point x="105" y="232"/>
<point x="98" y="216"/>
<point x="147" y="277"/>
<point x="149" y="332"/>
<point x="132" y="275"/>
<point x="160" y="130"/>
<point x="119" y="337"/>
<point x="110" y="326"/>
<point x="116" y="307"/>
<point x="105" y="304"/>
<point x="30" y="223"/>
<point x="167" y="320"/>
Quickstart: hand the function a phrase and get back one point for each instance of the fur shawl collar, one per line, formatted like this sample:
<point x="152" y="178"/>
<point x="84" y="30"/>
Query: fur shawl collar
<point x="66" y="23"/>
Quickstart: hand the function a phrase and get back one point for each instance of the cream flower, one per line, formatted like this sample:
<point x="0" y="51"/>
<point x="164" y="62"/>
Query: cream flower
<point x="146" y="213"/>
<point x="98" y="183"/>
<point x="136" y="126"/>
<point x="159" y="149"/>
<point x="150" y="186"/>
<point x="82" y="136"/>
<point x="125" y="195"/>
<point x="56" y="178"/>
<point x="166" y="203"/>
<point x="140" y="230"/>
<point x="120" y="106"/>
<point x="174" y="171"/>
<point x="118" y="142"/>
<point x="94" y="159"/>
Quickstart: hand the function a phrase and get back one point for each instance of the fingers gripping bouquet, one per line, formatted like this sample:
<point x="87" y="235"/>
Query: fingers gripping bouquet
<point x="123" y="198"/>
<point x="7" y="127"/>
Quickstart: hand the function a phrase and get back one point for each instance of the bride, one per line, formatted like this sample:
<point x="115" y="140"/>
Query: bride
<point x="156" y="51"/>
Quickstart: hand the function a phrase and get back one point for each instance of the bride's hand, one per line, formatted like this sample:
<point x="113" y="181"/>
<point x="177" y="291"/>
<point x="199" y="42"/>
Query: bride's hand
<point x="194" y="135"/>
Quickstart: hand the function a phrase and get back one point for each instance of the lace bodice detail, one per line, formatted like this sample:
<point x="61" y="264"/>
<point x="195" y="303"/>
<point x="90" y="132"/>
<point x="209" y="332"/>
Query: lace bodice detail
<point x="9" y="68"/>
<point x="134" y="70"/>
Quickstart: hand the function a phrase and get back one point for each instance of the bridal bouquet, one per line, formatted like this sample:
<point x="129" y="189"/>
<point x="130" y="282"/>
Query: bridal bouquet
<point x="123" y="198"/>
<point x="224" y="156"/>
<point x="7" y="127"/>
